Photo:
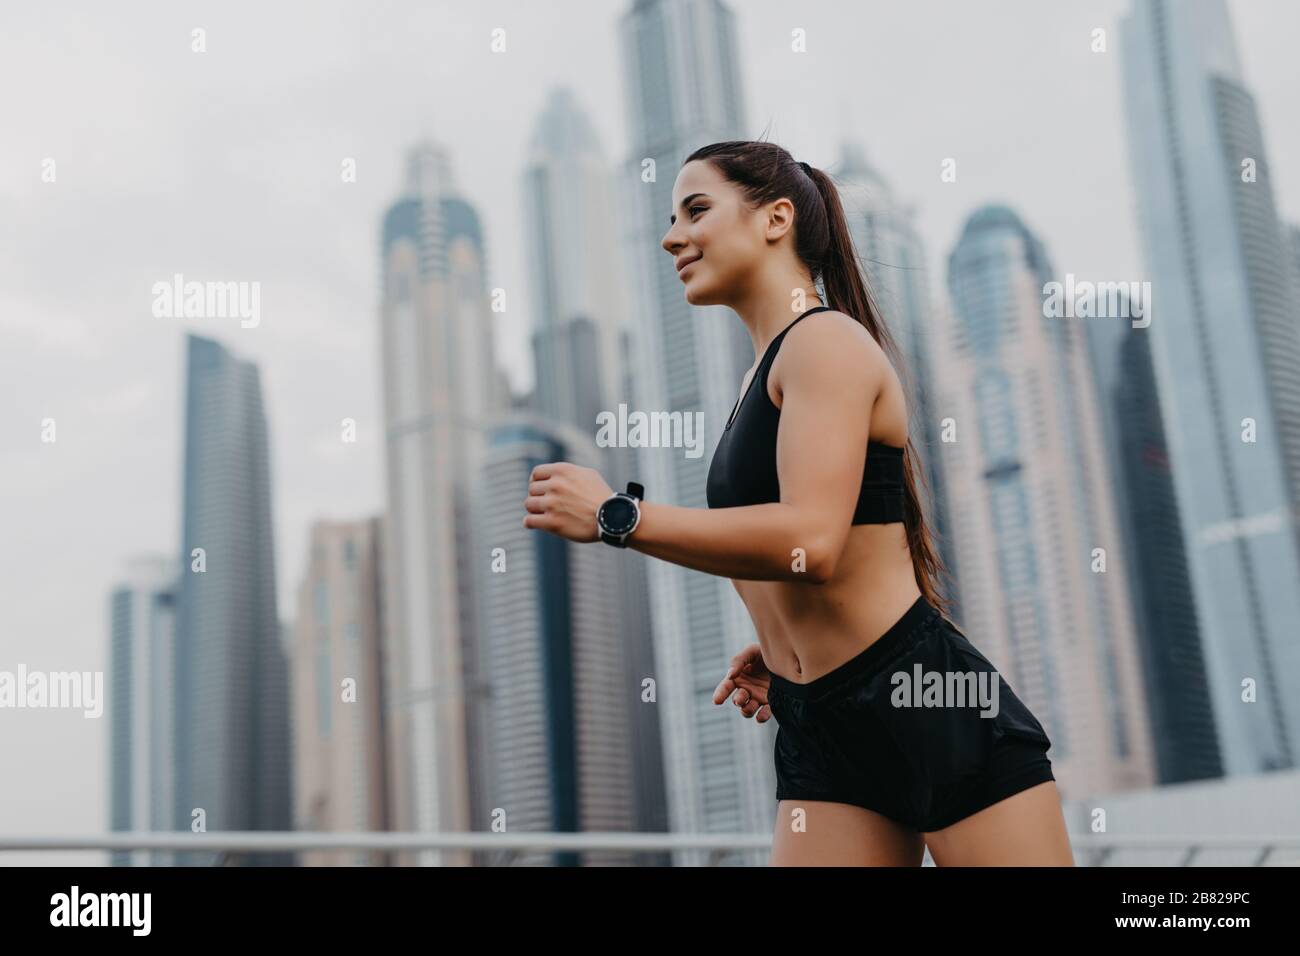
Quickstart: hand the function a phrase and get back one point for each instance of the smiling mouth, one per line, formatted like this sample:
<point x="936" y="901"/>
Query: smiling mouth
<point x="687" y="265"/>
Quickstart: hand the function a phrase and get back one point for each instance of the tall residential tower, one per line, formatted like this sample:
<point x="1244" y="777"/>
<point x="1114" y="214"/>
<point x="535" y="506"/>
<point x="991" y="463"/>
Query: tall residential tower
<point x="684" y="91"/>
<point x="1044" y="577"/>
<point x="1226" y="349"/>
<point x="142" y="774"/>
<point x="441" y="386"/>
<point x="580" y="355"/>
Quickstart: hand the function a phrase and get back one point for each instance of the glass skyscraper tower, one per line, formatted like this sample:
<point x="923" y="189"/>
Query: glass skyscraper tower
<point x="232" y="693"/>
<point x="1227" y="358"/>
<point x="684" y="91"/>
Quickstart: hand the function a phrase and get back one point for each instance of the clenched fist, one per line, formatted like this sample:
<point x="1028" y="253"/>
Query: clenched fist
<point x="563" y="499"/>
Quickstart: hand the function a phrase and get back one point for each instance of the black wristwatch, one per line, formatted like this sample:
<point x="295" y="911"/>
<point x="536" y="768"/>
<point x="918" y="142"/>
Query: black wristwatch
<point x="619" y="514"/>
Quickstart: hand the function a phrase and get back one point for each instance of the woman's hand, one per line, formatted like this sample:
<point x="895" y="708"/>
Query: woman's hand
<point x="563" y="499"/>
<point x="746" y="682"/>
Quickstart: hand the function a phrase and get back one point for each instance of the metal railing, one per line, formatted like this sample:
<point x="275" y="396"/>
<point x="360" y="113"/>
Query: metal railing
<point x="1090" y="849"/>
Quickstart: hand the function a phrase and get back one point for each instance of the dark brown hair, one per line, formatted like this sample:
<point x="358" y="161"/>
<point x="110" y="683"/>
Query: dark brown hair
<point x="765" y="172"/>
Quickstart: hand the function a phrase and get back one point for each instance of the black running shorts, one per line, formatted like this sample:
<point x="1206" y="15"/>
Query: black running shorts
<point x="914" y="748"/>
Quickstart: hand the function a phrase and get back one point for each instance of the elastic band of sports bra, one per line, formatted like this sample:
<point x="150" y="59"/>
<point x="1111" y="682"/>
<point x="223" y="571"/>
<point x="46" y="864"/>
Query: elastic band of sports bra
<point x="880" y="508"/>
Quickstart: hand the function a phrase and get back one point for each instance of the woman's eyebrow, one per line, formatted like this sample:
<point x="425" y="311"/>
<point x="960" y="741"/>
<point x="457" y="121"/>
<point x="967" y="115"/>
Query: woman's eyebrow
<point x="685" y="202"/>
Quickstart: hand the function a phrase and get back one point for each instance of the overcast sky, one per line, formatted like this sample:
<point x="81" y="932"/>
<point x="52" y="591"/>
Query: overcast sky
<point x="225" y="166"/>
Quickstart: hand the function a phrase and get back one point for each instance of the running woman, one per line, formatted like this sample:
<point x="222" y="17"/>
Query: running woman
<point x="815" y="516"/>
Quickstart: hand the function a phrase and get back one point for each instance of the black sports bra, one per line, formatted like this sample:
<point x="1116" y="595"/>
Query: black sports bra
<point x="743" y="470"/>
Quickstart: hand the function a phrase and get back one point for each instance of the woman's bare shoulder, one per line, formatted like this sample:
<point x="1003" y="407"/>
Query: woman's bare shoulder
<point x="841" y="349"/>
<point x="835" y="341"/>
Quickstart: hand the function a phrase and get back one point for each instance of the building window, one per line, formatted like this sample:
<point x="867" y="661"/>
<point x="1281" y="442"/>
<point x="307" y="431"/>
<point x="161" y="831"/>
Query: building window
<point x="324" y="691"/>
<point x="322" y="602"/>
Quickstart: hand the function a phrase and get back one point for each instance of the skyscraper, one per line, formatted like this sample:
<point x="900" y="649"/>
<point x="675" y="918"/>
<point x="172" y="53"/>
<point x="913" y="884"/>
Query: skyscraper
<point x="441" y="385"/>
<point x="562" y="696"/>
<point x="575" y="269"/>
<point x="1226" y="349"/>
<point x="580" y="342"/>
<point x="1184" y="741"/>
<point x="683" y="91"/>
<point x="232" y="695"/>
<point x="1044" y="580"/>
<point x="340" y="779"/>
<point x="141" y="699"/>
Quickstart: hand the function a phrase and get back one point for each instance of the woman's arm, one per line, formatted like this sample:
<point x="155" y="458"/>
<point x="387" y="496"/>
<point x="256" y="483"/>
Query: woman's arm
<point x="831" y="374"/>
<point x="752" y="542"/>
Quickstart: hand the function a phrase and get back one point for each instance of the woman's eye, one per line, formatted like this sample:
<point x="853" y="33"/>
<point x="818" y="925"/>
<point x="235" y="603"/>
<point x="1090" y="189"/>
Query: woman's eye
<point x="693" y="208"/>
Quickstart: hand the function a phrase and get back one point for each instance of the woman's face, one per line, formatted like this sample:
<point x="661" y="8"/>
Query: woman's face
<point x="716" y="232"/>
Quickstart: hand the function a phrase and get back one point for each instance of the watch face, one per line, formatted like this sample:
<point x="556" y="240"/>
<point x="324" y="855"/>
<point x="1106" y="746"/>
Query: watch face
<point x="617" y="515"/>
